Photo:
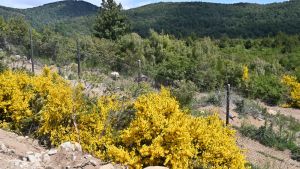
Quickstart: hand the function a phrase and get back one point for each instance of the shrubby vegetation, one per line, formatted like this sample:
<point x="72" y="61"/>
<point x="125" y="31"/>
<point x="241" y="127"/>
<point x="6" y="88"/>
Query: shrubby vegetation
<point x="278" y="131"/>
<point x="254" y="72"/>
<point x="47" y="107"/>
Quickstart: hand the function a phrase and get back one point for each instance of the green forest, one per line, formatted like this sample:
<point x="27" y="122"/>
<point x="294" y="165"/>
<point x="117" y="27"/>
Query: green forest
<point x="241" y="20"/>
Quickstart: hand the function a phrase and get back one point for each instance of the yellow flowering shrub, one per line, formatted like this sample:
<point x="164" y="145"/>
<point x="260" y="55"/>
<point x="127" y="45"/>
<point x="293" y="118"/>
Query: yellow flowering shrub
<point x="215" y="144"/>
<point x="15" y="94"/>
<point x="294" y="86"/>
<point x="95" y="127"/>
<point x="152" y="130"/>
<point x="245" y="77"/>
<point x="161" y="134"/>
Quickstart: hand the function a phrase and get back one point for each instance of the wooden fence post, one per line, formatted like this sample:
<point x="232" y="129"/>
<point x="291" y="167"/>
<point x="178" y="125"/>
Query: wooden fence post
<point x="227" y="103"/>
<point x="78" y="59"/>
<point x="140" y="71"/>
<point x="31" y="46"/>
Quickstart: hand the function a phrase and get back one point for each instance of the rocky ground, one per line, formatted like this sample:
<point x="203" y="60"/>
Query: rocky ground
<point x="18" y="152"/>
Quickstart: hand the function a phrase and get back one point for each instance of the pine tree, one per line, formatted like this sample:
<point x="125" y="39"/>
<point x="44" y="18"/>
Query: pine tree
<point x="110" y="23"/>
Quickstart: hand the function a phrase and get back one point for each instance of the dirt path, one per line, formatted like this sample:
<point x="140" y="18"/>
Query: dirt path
<point x="266" y="157"/>
<point x="256" y="153"/>
<point x="286" y="111"/>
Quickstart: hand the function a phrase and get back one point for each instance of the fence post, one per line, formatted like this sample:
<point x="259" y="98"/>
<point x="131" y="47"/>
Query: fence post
<point x="227" y="103"/>
<point x="31" y="46"/>
<point x="78" y="59"/>
<point x="140" y="71"/>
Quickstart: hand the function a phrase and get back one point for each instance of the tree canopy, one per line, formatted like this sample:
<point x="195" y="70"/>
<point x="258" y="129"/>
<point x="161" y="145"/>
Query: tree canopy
<point x="110" y="22"/>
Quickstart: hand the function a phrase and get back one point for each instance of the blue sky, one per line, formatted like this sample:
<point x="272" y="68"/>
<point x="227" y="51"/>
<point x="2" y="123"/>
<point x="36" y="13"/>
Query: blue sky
<point x="126" y="3"/>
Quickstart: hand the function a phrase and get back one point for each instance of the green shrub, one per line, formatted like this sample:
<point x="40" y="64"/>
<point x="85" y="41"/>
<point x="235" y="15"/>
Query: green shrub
<point x="215" y="99"/>
<point x="249" y="107"/>
<point x="248" y="130"/>
<point x="268" y="88"/>
<point x="296" y="153"/>
<point x="184" y="92"/>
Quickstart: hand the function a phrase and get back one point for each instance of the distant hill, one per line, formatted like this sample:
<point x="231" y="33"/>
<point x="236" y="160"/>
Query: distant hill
<point x="241" y="19"/>
<point x="179" y="19"/>
<point x="66" y="15"/>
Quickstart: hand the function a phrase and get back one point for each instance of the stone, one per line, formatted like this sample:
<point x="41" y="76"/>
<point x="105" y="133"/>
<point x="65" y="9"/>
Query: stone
<point x="20" y="138"/>
<point x="94" y="162"/>
<point x="87" y="156"/>
<point x="49" y="167"/>
<point x="11" y="151"/>
<point x="52" y="152"/>
<point x="74" y="157"/>
<point x="67" y="146"/>
<point x="45" y="158"/>
<point x="3" y="148"/>
<point x="32" y="158"/>
<point x="29" y="153"/>
<point x="77" y="147"/>
<point x="272" y="112"/>
<point x="35" y="142"/>
<point x="156" y="167"/>
<point x="107" y="166"/>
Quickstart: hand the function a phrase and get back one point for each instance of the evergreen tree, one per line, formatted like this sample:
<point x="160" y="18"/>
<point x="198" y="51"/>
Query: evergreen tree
<point x="110" y="23"/>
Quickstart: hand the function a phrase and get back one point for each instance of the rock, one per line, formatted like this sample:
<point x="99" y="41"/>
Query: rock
<point x="67" y="146"/>
<point x="45" y="158"/>
<point x="107" y="166"/>
<point x="35" y="142"/>
<point x="272" y="112"/>
<point x="17" y="163"/>
<point x="32" y="158"/>
<point x="74" y="157"/>
<point x="11" y="151"/>
<point x="20" y="138"/>
<point x="94" y="162"/>
<point x="87" y="156"/>
<point x="156" y="167"/>
<point x="52" y="152"/>
<point x="49" y="167"/>
<point x="3" y="148"/>
<point x="115" y="75"/>
<point x="29" y="153"/>
<point x="77" y="147"/>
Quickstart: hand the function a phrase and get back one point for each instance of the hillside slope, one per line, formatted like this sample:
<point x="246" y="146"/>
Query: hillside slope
<point x="209" y="19"/>
<point x="65" y="16"/>
<point x="179" y="19"/>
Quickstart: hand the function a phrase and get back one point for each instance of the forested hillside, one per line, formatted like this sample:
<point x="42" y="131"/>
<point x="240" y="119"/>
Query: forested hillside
<point x="67" y="17"/>
<point x="209" y="19"/>
<point x="179" y="19"/>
